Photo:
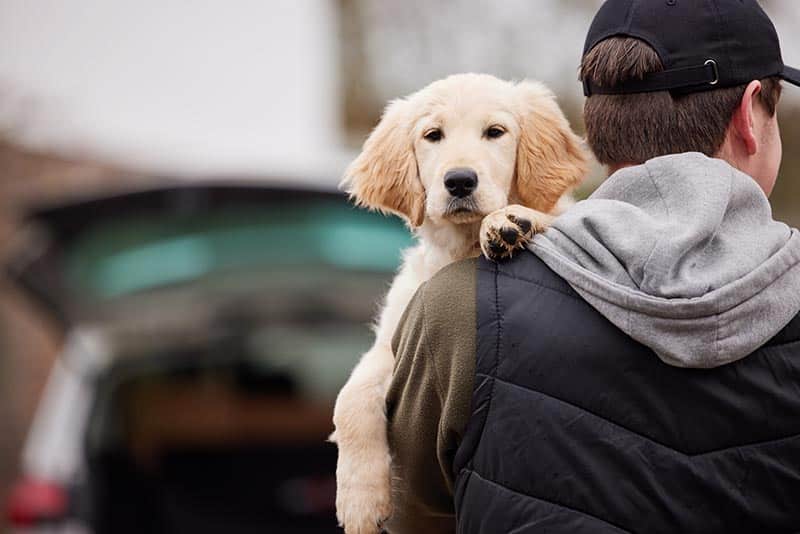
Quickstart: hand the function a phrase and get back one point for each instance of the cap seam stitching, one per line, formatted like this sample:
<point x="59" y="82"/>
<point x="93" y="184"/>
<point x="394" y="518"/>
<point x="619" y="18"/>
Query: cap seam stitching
<point x="732" y="71"/>
<point x="629" y="16"/>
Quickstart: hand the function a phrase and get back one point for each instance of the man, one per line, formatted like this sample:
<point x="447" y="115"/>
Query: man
<point x="639" y="369"/>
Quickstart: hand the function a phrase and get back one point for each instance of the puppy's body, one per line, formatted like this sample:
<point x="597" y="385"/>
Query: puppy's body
<point x="443" y="159"/>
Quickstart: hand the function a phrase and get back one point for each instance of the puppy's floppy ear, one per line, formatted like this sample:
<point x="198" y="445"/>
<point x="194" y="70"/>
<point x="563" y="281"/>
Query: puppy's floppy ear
<point x="384" y="176"/>
<point x="550" y="157"/>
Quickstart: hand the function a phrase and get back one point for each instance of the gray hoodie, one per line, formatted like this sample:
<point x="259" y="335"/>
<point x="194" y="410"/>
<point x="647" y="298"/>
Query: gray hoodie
<point x="683" y="255"/>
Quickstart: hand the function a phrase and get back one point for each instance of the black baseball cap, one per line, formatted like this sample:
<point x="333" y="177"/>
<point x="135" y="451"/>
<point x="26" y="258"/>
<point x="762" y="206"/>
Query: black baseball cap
<point x="703" y="44"/>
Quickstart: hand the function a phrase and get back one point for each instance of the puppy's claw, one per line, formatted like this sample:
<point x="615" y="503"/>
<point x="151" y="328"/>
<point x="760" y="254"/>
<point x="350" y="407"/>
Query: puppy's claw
<point x="524" y="225"/>
<point x="497" y="249"/>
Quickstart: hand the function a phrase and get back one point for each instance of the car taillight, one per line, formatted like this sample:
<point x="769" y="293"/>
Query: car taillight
<point x="36" y="501"/>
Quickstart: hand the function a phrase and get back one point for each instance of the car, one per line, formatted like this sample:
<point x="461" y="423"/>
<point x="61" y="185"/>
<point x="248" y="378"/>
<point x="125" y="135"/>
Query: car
<point x="208" y="327"/>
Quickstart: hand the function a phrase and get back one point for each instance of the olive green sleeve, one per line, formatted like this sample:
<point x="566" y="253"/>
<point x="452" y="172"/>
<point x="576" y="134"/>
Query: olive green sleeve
<point x="428" y="402"/>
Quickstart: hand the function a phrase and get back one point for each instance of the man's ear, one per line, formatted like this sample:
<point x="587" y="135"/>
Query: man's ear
<point x="744" y="118"/>
<point x="384" y="176"/>
<point x="551" y="159"/>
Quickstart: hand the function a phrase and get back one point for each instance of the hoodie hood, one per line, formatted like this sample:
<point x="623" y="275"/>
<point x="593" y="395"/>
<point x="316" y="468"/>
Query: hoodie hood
<point x="683" y="255"/>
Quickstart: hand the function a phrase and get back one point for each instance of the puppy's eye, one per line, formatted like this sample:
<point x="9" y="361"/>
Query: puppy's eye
<point x="493" y="132"/>
<point x="434" y="135"/>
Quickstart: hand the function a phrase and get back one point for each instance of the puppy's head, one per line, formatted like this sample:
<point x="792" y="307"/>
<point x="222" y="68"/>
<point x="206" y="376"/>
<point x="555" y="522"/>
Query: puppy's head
<point x="465" y="146"/>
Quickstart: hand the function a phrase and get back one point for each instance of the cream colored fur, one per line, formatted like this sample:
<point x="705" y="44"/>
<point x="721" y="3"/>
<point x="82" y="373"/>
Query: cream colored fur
<point x="523" y="172"/>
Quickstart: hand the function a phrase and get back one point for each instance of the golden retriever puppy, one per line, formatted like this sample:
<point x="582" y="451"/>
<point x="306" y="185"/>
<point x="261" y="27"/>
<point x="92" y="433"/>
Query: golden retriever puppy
<point x="466" y="150"/>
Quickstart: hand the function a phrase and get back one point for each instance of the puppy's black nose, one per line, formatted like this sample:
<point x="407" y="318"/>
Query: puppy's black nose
<point x="461" y="182"/>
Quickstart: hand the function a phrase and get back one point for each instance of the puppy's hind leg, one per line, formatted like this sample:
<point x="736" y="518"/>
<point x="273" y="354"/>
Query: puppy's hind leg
<point x="363" y="470"/>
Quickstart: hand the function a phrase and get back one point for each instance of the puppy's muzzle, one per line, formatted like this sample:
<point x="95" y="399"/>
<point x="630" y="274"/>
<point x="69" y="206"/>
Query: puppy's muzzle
<point x="461" y="182"/>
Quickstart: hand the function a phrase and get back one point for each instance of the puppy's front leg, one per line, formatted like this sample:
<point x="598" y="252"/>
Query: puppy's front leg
<point x="363" y="471"/>
<point x="509" y="229"/>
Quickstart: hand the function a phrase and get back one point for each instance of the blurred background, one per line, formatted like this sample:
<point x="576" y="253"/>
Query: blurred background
<point x="175" y="320"/>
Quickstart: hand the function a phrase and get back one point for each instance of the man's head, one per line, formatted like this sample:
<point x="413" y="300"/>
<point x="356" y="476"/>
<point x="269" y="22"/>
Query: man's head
<point x="671" y="76"/>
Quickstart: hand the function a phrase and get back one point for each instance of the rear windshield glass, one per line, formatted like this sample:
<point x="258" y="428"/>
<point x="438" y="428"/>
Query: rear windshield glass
<point x="138" y="253"/>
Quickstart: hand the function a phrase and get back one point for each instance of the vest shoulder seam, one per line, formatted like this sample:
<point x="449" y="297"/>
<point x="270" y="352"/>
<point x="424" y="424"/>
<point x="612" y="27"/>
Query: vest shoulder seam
<point x="496" y="365"/>
<point x="539" y="283"/>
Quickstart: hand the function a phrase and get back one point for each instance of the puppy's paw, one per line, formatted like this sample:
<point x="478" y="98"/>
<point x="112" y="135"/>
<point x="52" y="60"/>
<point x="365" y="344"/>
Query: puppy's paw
<point x="509" y="229"/>
<point x="363" y="494"/>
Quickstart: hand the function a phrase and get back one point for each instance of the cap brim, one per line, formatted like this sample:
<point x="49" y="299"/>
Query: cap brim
<point x="791" y="75"/>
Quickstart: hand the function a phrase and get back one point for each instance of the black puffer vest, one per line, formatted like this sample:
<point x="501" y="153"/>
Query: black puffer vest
<point x="576" y="428"/>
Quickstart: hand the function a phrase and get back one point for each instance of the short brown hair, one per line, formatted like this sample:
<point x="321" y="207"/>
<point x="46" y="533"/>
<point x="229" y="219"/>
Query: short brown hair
<point x="634" y="128"/>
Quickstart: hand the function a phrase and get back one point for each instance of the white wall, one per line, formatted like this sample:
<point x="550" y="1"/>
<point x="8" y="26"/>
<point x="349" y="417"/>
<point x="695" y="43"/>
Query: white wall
<point x="175" y="85"/>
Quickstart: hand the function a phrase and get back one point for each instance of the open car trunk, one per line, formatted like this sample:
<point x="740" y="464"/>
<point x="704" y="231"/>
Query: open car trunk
<point x="233" y="316"/>
<point x="218" y="447"/>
